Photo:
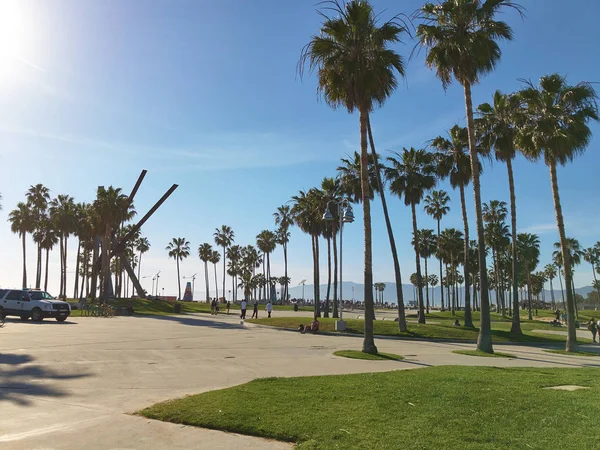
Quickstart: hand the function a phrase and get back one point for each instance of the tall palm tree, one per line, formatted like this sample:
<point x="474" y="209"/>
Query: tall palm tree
<point x="550" y="270"/>
<point x="433" y="281"/>
<point x="460" y="37"/>
<point x="453" y="161"/>
<point x="427" y="248"/>
<point x="555" y="126"/>
<point x="498" y="126"/>
<point x="179" y="249"/>
<point x="284" y="220"/>
<point x="142" y="245"/>
<point x="205" y="253"/>
<point x="266" y="241"/>
<point x="575" y="255"/>
<point x="224" y="237"/>
<point x="436" y="205"/>
<point x="49" y="240"/>
<point x="496" y="237"/>
<point x="357" y="70"/>
<point x="410" y="175"/>
<point x="451" y="246"/>
<point x="112" y="208"/>
<point x="235" y="255"/>
<point x="591" y="255"/>
<point x="22" y="222"/>
<point x="331" y="188"/>
<point x="38" y="197"/>
<point x="528" y="246"/>
<point x="215" y="257"/>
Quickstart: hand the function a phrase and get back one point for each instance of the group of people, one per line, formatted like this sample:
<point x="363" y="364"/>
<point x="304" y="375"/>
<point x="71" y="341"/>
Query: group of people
<point x="244" y="305"/>
<point x="214" y="306"/>
<point x="594" y="326"/>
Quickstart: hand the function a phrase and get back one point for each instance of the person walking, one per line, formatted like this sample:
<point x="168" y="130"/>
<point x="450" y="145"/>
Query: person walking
<point x="255" y="311"/>
<point x="593" y="327"/>
<point x="213" y="305"/>
<point x="269" y="308"/>
<point x="243" y="308"/>
<point x="228" y="306"/>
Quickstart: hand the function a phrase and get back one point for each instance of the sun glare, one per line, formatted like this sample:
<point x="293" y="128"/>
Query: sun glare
<point x="13" y="35"/>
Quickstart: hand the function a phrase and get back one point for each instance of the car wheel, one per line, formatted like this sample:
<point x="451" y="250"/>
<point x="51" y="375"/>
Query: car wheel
<point x="61" y="319"/>
<point x="36" y="315"/>
<point x="24" y="317"/>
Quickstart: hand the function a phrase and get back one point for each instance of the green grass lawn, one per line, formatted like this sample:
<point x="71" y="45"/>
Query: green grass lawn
<point x="448" y="407"/>
<point x="483" y="354"/>
<point x="357" y="354"/>
<point x="444" y="330"/>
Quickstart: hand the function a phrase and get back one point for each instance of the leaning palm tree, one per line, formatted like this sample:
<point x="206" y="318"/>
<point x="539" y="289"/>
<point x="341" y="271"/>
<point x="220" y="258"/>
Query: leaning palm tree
<point x="178" y="249"/>
<point x="410" y="175"/>
<point x="205" y="253"/>
<point x="460" y="37"/>
<point x="21" y="223"/>
<point x="453" y="161"/>
<point x="436" y="205"/>
<point x="224" y="237"/>
<point x="284" y="220"/>
<point x="357" y="70"/>
<point x="498" y="131"/>
<point x="555" y="127"/>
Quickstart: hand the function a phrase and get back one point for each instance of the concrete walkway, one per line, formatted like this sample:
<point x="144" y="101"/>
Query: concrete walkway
<point x="74" y="385"/>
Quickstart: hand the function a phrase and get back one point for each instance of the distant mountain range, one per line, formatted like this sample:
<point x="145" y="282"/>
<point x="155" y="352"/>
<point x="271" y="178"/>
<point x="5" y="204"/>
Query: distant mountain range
<point x="351" y="290"/>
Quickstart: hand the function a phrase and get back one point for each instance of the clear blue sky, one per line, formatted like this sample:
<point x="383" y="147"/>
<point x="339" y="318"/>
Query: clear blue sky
<point x="205" y="94"/>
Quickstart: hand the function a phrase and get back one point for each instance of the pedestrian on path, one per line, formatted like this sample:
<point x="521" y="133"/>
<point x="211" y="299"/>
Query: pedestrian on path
<point x="243" y="307"/>
<point x="269" y="308"/>
<point x="213" y="305"/>
<point x="255" y="311"/>
<point x="228" y="306"/>
<point x="593" y="327"/>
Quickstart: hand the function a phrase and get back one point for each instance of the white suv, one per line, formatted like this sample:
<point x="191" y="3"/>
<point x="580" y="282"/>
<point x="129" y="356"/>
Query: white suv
<point x="36" y="304"/>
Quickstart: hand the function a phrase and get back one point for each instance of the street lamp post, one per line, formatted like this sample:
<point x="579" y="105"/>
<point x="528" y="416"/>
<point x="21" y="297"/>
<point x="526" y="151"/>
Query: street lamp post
<point x="157" y="277"/>
<point x="346" y="215"/>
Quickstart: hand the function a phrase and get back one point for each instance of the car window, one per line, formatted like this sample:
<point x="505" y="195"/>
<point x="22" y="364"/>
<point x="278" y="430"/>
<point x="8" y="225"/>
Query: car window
<point x="40" y="295"/>
<point x="14" y="295"/>
<point x="3" y="292"/>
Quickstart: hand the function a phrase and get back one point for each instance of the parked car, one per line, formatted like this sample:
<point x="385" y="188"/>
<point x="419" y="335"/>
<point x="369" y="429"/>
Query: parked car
<point x="33" y="303"/>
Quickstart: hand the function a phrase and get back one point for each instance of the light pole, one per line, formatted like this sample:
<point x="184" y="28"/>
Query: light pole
<point x="345" y="216"/>
<point x="303" y="282"/>
<point x="157" y="277"/>
<point x="193" y="277"/>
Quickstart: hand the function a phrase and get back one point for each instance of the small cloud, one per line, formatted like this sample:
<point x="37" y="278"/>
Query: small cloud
<point x="540" y="228"/>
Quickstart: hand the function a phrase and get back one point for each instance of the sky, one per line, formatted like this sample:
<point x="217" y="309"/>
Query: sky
<point x="206" y="94"/>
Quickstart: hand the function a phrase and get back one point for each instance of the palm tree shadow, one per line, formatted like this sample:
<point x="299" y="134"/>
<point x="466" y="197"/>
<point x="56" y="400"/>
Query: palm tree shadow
<point x="21" y="379"/>
<point x="197" y="322"/>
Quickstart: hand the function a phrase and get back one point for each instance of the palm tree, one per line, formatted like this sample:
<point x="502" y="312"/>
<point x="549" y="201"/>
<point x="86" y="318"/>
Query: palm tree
<point x="224" y="237"/>
<point x="410" y="175"/>
<point x="575" y="253"/>
<point x="49" y="240"/>
<point x="38" y="197"/>
<point x="205" y="253"/>
<point x="460" y="37"/>
<point x="307" y="212"/>
<point x="284" y="220"/>
<point x="528" y="246"/>
<point x="178" y="248"/>
<point x="496" y="237"/>
<point x="142" y="245"/>
<point x="498" y="131"/>
<point x="427" y="248"/>
<point x="555" y="126"/>
<point x="451" y="246"/>
<point x="331" y="188"/>
<point x="235" y="255"/>
<point x="266" y="241"/>
<point x="453" y="161"/>
<point x="436" y="205"/>
<point x="433" y="281"/>
<point x="22" y="222"/>
<point x="357" y="70"/>
<point x="111" y="209"/>
<point x="215" y="257"/>
<point x="550" y="271"/>
<point x="592" y="255"/>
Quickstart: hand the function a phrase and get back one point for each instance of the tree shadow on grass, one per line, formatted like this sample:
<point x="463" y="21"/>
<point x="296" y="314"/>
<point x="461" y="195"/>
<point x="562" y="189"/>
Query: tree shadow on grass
<point x="197" y="322"/>
<point x="21" y="379"/>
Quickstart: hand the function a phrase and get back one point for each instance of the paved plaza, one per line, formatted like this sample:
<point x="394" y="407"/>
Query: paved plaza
<point x="75" y="385"/>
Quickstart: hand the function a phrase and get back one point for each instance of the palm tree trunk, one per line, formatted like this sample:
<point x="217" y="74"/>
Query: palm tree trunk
<point x="484" y="341"/>
<point x="575" y="299"/>
<point x="65" y="269"/>
<point x="369" y="341"/>
<point x="441" y="274"/>
<point x="84" y="269"/>
<point x="106" y="263"/>
<point x="62" y="249"/>
<point x="562" y="291"/>
<point x="529" y="296"/>
<point x="418" y="261"/>
<point x="388" y="224"/>
<point x="224" y="265"/>
<point x="497" y="279"/>
<point x="468" y="315"/>
<point x="206" y="281"/>
<point x="426" y="286"/>
<point x="216" y="281"/>
<point x="46" y="276"/>
<point x="285" y="265"/>
<point x="178" y="278"/>
<point x="515" y="329"/>
<point x="76" y="290"/>
<point x="433" y="296"/>
<point x="24" y="260"/>
<point x="571" y="334"/>
<point x="38" y="273"/>
<point x="328" y="277"/>
<point x="552" y="295"/>
<point x="335" y="275"/>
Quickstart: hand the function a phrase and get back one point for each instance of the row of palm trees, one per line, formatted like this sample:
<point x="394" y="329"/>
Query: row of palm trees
<point x="358" y="70"/>
<point x="242" y="262"/>
<point x="96" y="225"/>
